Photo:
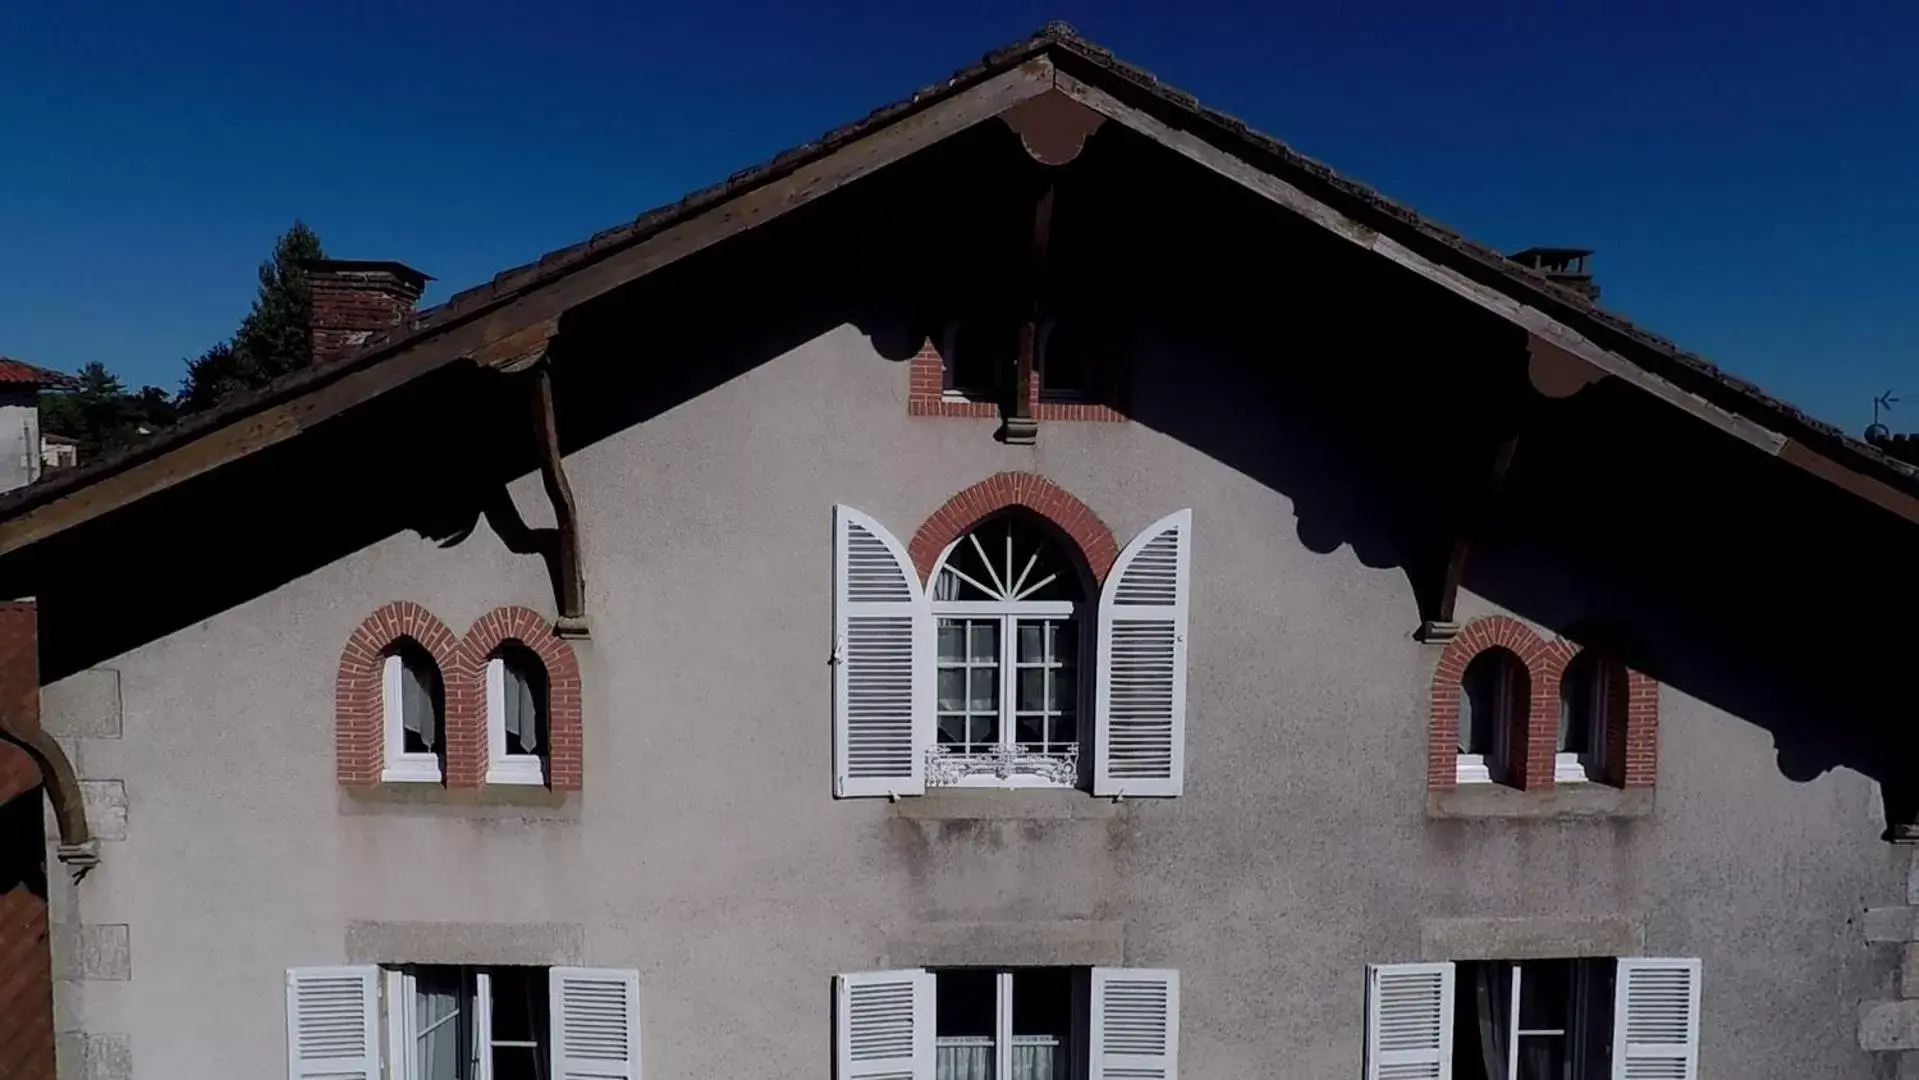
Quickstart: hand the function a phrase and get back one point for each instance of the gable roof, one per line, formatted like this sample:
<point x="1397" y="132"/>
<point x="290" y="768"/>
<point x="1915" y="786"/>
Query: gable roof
<point x="521" y="300"/>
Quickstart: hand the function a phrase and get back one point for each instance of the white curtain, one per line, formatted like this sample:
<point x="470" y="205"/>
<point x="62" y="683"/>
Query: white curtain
<point x="964" y="1057"/>
<point x="436" y="1029"/>
<point x="522" y="711"/>
<point x="1038" y="1057"/>
<point x="1035" y="1057"/>
<point x="416" y="702"/>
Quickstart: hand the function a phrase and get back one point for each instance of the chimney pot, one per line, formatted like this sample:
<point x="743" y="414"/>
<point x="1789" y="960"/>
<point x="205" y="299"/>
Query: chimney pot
<point x="355" y="299"/>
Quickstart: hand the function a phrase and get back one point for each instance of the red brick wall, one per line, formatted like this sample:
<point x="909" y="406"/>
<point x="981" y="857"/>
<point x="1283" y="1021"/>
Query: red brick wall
<point x="1632" y="728"/>
<point x="925" y="396"/>
<point x="26" y="959"/>
<point x="359" y="711"/>
<point x="996" y="493"/>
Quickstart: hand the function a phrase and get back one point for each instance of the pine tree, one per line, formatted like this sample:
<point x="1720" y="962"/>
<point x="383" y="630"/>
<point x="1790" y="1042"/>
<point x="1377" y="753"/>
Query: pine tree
<point x="93" y="411"/>
<point x="272" y="339"/>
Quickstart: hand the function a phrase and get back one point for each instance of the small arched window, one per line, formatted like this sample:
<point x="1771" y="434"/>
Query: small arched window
<point x="414" y="703"/>
<point x="1007" y="602"/>
<point x="1586" y="693"/>
<point x="1493" y="697"/>
<point x="516" y="716"/>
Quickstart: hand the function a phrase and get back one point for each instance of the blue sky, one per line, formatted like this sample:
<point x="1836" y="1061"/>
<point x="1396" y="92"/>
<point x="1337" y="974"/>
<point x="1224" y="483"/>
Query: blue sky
<point x="1749" y="173"/>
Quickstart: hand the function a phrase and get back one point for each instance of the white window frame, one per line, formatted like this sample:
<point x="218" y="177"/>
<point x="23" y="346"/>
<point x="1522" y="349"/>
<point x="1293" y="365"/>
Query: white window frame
<point x="1578" y="1002"/>
<point x="1023" y="770"/>
<point x="1003" y="1040"/>
<point x="403" y="1023"/>
<point x="1478" y="768"/>
<point x="502" y="766"/>
<point x="401" y="767"/>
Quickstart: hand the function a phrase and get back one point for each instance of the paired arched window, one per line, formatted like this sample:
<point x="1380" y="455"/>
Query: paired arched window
<point x="1599" y="717"/>
<point x="413" y="703"/>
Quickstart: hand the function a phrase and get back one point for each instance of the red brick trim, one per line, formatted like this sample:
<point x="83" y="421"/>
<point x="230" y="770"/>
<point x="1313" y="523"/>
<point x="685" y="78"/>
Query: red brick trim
<point x="563" y="711"/>
<point x="358" y="720"/>
<point x="926" y="396"/>
<point x="996" y="493"/>
<point x="1632" y="728"/>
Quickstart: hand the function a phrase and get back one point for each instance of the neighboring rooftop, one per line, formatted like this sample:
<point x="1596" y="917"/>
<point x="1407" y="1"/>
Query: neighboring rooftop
<point x="19" y="373"/>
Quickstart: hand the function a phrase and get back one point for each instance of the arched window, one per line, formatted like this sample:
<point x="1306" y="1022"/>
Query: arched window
<point x="1586" y="701"/>
<point x="414" y="703"/>
<point x="1493" y="698"/>
<point x="516" y="716"/>
<point x="1007" y="602"/>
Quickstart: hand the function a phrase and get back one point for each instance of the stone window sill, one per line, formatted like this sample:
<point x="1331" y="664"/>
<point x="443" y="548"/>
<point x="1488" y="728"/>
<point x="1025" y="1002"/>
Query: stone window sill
<point x="1561" y="801"/>
<point x="1004" y="804"/>
<point x="503" y="801"/>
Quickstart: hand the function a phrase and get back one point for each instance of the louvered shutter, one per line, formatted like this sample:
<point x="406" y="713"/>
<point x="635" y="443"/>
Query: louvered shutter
<point x="1409" y="1022"/>
<point x="595" y="1023"/>
<point x="1139" y="736"/>
<point x="1135" y="1024"/>
<point x="882" y="662"/>
<point x="884" y="1026"/>
<point x="333" y="1023"/>
<point x="1655" y="1027"/>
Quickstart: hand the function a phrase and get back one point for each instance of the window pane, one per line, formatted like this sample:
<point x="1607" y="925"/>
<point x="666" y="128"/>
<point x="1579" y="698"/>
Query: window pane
<point x="964" y="1002"/>
<point x="1065" y="728"/>
<point x="517" y="1063"/>
<point x="519" y="1005"/>
<point x="1032" y="690"/>
<point x="1032" y="642"/>
<point x="1542" y="1057"/>
<point x="984" y="697"/>
<point x="984" y="635"/>
<point x="1066" y="691"/>
<point x="436" y="1009"/>
<point x="952" y="689"/>
<point x="952" y="640"/>
<point x="1545" y="995"/>
<point x="524" y="700"/>
<point x="952" y="729"/>
<point x="1031" y="729"/>
<point x="1486" y="693"/>
<point x="1042" y="1024"/>
<point x="1576" y="692"/>
<point x="420" y="698"/>
<point x="1065" y="642"/>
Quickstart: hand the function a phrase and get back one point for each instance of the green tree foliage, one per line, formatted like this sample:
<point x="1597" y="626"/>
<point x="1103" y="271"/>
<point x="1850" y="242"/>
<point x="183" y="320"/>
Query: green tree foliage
<point x="272" y="339"/>
<point x="92" y="411"/>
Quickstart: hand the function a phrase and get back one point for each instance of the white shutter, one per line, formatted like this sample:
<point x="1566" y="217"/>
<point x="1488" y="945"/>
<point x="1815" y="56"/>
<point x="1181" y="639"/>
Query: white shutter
<point x="882" y="662"/>
<point x="595" y="1020"/>
<point x="883" y="1023"/>
<point x="1135" y="1024"/>
<point x="1409" y="1021"/>
<point x="1655" y="1027"/>
<point x="1139" y="735"/>
<point x="333" y="1023"/>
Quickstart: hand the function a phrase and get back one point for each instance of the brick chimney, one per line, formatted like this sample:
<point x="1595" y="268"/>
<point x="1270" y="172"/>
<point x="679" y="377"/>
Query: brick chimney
<point x="1565" y="266"/>
<point x="355" y="299"/>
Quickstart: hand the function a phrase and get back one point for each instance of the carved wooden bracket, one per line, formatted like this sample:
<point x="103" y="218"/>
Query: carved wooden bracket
<point x="1053" y="127"/>
<point x="1556" y="373"/>
<point x="1440" y="625"/>
<point x="572" y="581"/>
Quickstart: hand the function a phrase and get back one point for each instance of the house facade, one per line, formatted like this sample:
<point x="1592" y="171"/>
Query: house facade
<point x="1041" y="583"/>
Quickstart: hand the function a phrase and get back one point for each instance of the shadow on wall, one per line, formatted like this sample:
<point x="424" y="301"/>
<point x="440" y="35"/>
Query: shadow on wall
<point x="1374" y="402"/>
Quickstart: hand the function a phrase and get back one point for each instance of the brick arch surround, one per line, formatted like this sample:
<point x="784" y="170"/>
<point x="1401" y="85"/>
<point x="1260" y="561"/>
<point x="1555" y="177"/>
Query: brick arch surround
<point x="359" y="723"/>
<point x="1003" y="490"/>
<point x="563" y="713"/>
<point x="1632" y="729"/>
